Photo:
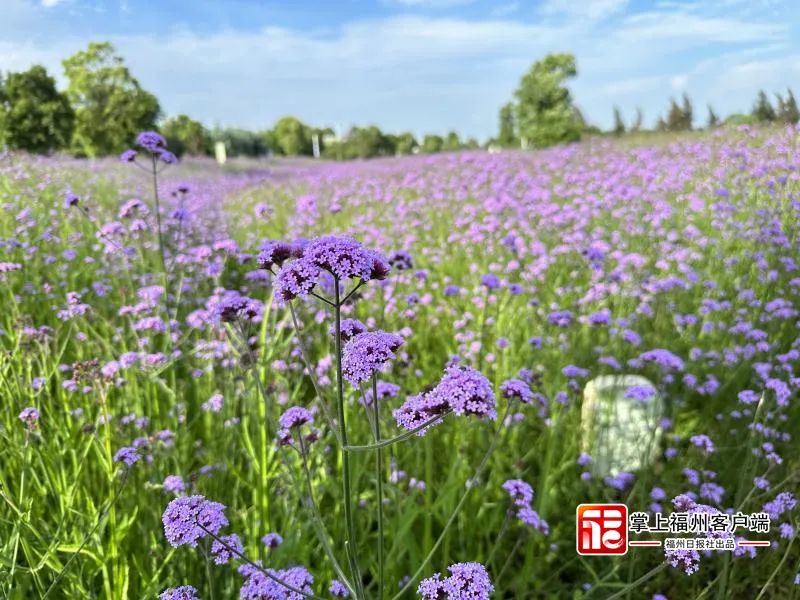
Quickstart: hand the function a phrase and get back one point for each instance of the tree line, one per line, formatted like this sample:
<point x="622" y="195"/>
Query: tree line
<point x="104" y="106"/>
<point x="542" y="112"/>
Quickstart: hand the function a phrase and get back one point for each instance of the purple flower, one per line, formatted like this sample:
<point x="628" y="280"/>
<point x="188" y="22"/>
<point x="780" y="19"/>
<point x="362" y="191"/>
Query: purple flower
<point x="516" y="389"/>
<point x="686" y="560"/>
<point x="703" y="442"/>
<point x="349" y="328"/>
<point x="385" y="390"/>
<point x="345" y="258"/>
<point x="273" y="253"/>
<point x="174" y="484"/>
<point x="490" y="281"/>
<point x="226" y="548"/>
<point x="366" y="353"/>
<point x="214" y="403"/>
<point x="462" y="390"/>
<point x="272" y="540"/>
<point x="401" y="260"/>
<point x="521" y="493"/>
<point x="151" y="141"/>
<point x="258" y="586"/>
<point x="296" y="279"/>
<point x="663" y="358"/>
<point x="338" y="590"/>
<point x="127" y="455"/>
<point x="70" y="200"/>
<point x="128" y="155"/>
<point x="467" y="581"/>
<point x="186" y="517"/>
<point x="783" y="502"/>
<point x="184" y="592"/>
<point x="29" y="416"/>
<point x="295" y="416"/>
<point x="233" y="306"/>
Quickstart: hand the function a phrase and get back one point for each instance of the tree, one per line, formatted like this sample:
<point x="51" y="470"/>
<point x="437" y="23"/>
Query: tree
<point x="185" y="136"/>
<point x="35" y="116"/>
<point x="111" y="107"/>
<point x="452" y="142"/>
<point x="240" y="142"/>
<point x="763" y="112"/>
<point x="637" y="121"/>
<point x="713" y="119"/>
<point x="405" y="143"/>
<point x="544" y="110"/>
<point x="687" y="112"/>
<point x="367" y="142"/>
<point x="432" y="144"/>
<point x="507" y="136"/>
<point x="292" y="137"/>
<point x="680" y="116"/>
<point x="619" y="124"/>
<point x="787" y="109"/>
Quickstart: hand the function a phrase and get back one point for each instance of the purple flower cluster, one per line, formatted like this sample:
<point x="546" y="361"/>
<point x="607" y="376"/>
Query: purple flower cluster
<point x="184" y="592"/>
<point x="152" y="142"/>
<point x="462" y="390"/>
<point x="348" y="328"/>
<point x="187" y="518"/>
<point x="366" y="353"/>
<point x="127" y="455"/>
<point x="258" y="586"/>
<point x="293" y="419"/>
<point x="29" y="416"/>
<point x="516" y="389"/>
<point x="521" y="495"/>
<point x="467" y="581"/>
<point x="226" y="548"/>
<point x="342" y="257"/>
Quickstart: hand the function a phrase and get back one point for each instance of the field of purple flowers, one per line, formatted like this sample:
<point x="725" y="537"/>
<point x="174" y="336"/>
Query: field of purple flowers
<point x="366" y="379"/>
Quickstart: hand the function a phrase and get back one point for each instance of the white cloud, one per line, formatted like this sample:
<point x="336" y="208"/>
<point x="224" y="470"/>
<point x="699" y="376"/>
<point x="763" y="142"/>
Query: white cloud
<point x="51" y="3"/>
<point x="436" y="74"/>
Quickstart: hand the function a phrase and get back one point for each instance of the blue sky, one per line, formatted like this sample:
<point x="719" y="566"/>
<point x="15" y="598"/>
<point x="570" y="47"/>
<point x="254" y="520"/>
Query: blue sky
<point x="418" y="65"/>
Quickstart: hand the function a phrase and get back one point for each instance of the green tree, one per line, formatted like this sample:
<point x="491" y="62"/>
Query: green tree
<point x="713" y="118"/>
<point x="367" y="142"/>
<point x="35" y="116"/>
<point x="111" y="107"/>
<point x="619" y="124"/>
<point x="185" y="136"/>
<point x="679" y="116"/>
<point x="432" y="144"/>
<point x="405" y="143"/>
<point x="763" y="112"/>
<point x="452" y="142"/>
<point x="544" y="110"/>
<point x="292" y="137"/>
<point x="787" y="109"/>
<point x="638" y="120"/>
<point x="507" y="136"/>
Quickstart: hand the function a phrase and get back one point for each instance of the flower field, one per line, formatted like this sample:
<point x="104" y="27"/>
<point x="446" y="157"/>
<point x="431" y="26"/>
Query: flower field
<point x="288" y="380"/>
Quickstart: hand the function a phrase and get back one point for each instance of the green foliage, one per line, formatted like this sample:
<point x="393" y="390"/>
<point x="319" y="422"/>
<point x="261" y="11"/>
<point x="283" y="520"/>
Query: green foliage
<point x="637" y="121"/>
<point x="431" y="144"/>
<point x="763" y="111"/>
<point x="240" y="142"/>
<point x="787" y="109"/>
<point x="544" y="110"/>
<point x="713" y="119"/>
<point x="507" y="136"/>
<point x="292" y="137"/>
<point x="680" y="116"/>
<point x="186" y="136"/>
<point x="740" y="119"/>
<point x="35" y="116"/>
<point x="405" y="143"/>
<point x="111" y="107"/>
<point x="619" y="124"/>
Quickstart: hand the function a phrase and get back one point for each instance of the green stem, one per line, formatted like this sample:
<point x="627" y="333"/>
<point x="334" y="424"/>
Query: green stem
<point x="399" y="438"/>
<point x="378" y="482"/>
<point x="472" y="483"/>
<point x="316" y="517"/>
<point x="350" y="535"/>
